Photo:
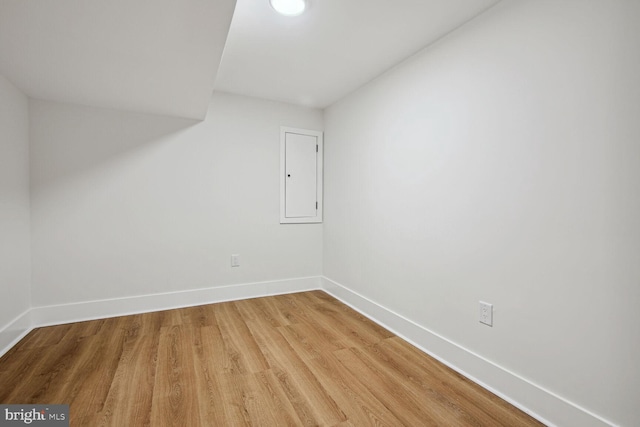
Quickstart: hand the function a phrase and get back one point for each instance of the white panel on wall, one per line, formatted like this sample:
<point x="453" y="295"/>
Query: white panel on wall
<point x="300" y="183"/>
<point x="300" y="176"/>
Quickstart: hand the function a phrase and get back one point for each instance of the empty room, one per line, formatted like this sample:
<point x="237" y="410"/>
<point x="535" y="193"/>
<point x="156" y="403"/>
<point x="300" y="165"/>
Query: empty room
<point x="320" y="212"/>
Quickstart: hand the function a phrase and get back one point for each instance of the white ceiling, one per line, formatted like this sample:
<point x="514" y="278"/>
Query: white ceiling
<point x="156" y="56"/>
<point x="162" y="56"/>
<point x="333" y="48"/>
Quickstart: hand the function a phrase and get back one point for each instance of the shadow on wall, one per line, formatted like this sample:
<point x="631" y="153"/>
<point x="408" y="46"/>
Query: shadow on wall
<point x="69" y="140"/>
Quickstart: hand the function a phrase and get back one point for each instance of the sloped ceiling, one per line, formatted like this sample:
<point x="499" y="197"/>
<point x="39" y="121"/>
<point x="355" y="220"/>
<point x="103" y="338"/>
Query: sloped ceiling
<point x="334" y="47"/>
<point x="166" y="56"/>
<point x="155" y="56"/>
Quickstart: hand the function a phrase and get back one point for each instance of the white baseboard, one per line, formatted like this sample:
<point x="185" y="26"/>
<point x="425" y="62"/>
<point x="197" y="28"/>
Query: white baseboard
<point x="90" y="310"/>
<point x="14" y="331"/>
<point x="101" y="309"/>
<point x="542" y="404"/>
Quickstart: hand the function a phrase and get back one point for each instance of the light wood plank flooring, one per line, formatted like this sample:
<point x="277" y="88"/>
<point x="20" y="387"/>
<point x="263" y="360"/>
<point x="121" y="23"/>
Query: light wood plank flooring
<point x="299" y="359"/>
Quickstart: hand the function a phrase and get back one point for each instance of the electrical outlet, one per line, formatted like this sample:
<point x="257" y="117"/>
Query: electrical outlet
<point x="486" y="313"/>
<point x="235" y="260"/>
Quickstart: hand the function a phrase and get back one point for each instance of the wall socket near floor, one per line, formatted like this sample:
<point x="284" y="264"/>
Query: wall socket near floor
<point x="486" y="313"/>
<point x="235" y="260"/>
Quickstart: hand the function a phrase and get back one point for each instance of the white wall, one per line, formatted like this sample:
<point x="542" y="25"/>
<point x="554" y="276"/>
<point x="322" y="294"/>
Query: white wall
<point x="127" y="204"/>
<point x="15" y="269"/>
<point x="503" y="164"/>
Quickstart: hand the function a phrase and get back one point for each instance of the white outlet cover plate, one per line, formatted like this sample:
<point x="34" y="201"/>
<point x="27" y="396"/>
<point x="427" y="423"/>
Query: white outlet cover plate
<point x="486" y="313"/>
<point x="235" y="260"/>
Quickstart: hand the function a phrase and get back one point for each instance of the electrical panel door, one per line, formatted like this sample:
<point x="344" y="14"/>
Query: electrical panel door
<point x="301" y="180"/>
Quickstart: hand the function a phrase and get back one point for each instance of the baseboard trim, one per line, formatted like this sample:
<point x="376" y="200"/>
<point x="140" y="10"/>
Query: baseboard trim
<point x="37" y="317"/>
<point x="101" y="309"/>
<point x="14" y="331"/>
<point x="540" y="403"/>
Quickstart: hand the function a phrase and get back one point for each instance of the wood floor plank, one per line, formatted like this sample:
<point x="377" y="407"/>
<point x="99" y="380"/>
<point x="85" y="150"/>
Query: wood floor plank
<point x="292" y="309"/>
<point x="282" y="409"/>
<point x="174" y="395"/>
<point x="440" y="408"/>
<point x="263" y="309"/>
<point x="287" y="360"/>
<point x="318" y="335"/>
<point x="461" y="396"/>
<point x="48" y="371"/>
<point x="312" y="402"/>
<point x="92" y="389"/>
<point x="17" y="369"/>
<point x="402" y="404"/>
<point x="356" y="330"/>
<point x="322" y="298"/>
<point x="211" y="392"/>
<point x="131" y="392"/>
<point x="243" y="353"/>
<point x="46" y="336"/>
<point x="245" y="394"/>
<point x="358" y="403"/>
<point x="199" y="316"/>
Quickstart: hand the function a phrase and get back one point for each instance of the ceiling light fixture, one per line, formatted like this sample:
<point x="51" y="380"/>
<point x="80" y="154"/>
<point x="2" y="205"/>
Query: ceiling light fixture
<point x="288" y="7"/>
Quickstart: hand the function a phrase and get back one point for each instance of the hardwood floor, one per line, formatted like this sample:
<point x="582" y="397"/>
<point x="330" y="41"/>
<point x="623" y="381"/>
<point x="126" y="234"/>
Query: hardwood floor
<point x="299" y="359"/>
